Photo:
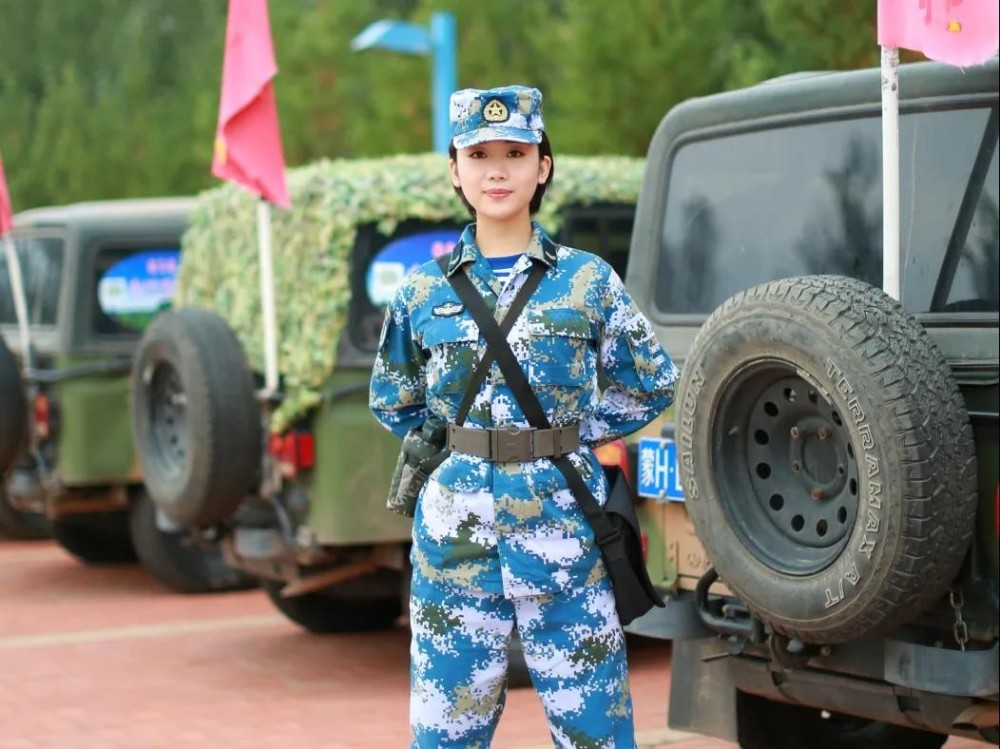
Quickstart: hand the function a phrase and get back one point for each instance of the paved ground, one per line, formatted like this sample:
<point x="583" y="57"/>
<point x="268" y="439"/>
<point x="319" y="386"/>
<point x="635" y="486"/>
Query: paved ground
<point x="103" y="658"/>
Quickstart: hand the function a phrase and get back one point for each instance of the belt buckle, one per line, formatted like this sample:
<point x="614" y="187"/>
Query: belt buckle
<point x="511" y="444"/>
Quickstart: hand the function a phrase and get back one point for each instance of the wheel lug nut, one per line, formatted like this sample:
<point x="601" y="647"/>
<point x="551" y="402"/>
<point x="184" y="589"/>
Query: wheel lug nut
<point x="823" y="433"/>
<point x="795" y="467"/>
<point x="796" y="433"/>
<point x="817" y="494"/>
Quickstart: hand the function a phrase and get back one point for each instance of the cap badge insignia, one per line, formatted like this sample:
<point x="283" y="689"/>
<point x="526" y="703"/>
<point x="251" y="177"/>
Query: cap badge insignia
<point x="495" y="111"/>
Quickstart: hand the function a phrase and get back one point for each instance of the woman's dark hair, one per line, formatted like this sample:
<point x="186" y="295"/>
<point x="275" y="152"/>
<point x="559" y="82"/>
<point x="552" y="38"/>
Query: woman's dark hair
<point x="544" y="149"/>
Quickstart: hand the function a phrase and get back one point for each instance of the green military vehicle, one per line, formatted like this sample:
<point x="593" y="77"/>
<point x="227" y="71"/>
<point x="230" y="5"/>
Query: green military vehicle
<point x="823" y="506"/>
<point x="298" y="497"/>
<point x="94" y="275"/>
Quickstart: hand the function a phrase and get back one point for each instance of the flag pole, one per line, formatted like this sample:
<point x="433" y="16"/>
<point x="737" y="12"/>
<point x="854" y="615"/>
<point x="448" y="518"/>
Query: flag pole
<point x="267" y="297"/>
<point x="890" y="172"/>
<point x="20" y="305"/>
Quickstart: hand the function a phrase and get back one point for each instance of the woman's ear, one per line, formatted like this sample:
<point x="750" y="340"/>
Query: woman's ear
<point x="544" y="167"/>
<point x="453" y="168"/>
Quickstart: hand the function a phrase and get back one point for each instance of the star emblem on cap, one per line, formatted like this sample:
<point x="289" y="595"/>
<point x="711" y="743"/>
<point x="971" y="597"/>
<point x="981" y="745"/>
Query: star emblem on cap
<point x="495" y="111"/>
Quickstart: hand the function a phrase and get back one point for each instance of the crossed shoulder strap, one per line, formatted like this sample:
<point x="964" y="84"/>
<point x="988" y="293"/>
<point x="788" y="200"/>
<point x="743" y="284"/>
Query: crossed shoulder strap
<point x="516" y="307"/>
<point x="499" y="349"/>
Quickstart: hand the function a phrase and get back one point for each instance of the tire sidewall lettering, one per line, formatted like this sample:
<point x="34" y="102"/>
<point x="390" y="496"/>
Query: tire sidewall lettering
<point x="687" y="414"/>
<point x="864" y="545"/>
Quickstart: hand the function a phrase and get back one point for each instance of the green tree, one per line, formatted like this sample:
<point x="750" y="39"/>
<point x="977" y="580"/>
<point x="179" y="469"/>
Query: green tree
<point x="377" y="102"/>
<point x="621" y="66"/>
<point x="117" y="98"/>
<point x="332" y="100"/>
<point x="108" y="98"/>
<point x="820" y="35"/>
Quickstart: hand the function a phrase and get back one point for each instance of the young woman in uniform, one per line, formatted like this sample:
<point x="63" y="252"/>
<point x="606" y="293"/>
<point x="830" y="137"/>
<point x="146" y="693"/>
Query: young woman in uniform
<point x="501" y="542"/>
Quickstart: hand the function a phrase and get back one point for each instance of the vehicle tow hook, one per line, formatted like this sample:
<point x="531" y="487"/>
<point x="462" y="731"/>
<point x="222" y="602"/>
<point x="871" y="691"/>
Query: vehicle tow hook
<point x="791" y="654"/>
<point x="746" y="627"/>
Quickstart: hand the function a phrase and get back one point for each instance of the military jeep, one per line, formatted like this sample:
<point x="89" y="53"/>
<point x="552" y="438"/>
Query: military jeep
<point x="293" y="484"/>
<point x="826" y="492"/>
<point x="94" y="275"/>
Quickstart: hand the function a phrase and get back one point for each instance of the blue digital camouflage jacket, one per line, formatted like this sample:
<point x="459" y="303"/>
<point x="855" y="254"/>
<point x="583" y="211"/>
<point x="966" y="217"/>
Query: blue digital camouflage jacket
<point x="514" y="528"/>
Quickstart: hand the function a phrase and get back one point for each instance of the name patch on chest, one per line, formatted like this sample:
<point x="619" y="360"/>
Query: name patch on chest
<point x="448" y="309"/>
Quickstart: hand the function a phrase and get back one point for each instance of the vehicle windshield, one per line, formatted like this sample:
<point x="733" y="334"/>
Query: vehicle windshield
<point x="757" y="206"/>
<point x="604" y="230"/>
<point x="41" y="260"/>
<point x="380" y="262"/>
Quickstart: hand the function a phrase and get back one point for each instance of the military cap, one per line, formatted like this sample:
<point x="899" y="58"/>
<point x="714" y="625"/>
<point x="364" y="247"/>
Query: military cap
<point x="504" y="113"/>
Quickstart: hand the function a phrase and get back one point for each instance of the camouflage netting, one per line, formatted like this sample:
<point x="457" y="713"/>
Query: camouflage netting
<point x="312" y="245"/>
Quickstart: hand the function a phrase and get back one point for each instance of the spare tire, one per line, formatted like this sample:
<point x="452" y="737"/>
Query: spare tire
<point x="196" y="422"/>
<point x="827" y="457"/>
<point x="13" y="409"/>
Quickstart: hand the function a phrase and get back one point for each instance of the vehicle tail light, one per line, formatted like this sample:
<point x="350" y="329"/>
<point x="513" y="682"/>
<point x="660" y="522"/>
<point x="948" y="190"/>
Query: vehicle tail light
<point x="42" y="408"/>
<point x="614" y="454"/>
<point x="294" y="451"/>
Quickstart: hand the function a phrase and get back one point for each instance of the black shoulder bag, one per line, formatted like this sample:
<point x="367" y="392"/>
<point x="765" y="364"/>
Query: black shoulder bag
<point x="615" y="526"/>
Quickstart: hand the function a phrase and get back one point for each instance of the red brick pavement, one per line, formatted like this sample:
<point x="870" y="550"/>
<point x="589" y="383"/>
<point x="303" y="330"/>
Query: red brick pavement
<point x="102" y="658"/>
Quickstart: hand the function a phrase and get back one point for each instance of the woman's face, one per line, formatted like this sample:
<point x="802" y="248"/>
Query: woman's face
<point x="499" y="178"/>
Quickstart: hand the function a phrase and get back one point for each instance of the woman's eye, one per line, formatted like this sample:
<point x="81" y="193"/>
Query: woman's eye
<point x="516" y="153"/>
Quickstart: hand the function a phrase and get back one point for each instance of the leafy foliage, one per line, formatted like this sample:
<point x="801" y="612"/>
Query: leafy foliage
<point x="313" y="242"/>
<point x="109" y="98"/>
<point x="119" y="98"/>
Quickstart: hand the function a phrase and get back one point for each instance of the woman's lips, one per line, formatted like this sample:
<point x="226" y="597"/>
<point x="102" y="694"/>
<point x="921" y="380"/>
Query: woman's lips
<point x="498" y="193"/>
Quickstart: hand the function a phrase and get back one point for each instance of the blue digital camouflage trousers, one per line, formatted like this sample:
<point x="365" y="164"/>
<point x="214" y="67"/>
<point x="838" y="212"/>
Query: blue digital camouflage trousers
<point x="573" y="644"/>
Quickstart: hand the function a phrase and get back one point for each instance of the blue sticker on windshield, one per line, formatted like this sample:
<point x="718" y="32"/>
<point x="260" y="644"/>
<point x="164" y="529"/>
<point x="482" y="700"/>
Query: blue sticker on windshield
<point x="134" y="290"/>
<point x="402" y="255"/>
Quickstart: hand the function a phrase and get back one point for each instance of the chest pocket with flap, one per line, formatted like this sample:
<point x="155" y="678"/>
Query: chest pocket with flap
<point x="453" y="346"/>
<point x="562" y="348"/>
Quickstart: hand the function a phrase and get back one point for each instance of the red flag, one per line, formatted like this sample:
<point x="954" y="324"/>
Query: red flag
<point x="958" y="32"/>
<point x="248" y="140"/>
<point x="6" y="210"/>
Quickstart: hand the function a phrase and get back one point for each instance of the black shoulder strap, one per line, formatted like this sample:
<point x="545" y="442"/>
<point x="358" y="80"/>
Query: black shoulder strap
<point x="483" y="367"/>
<point x="496" y="344"/>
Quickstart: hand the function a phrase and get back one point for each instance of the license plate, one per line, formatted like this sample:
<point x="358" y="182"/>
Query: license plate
<point x="658" y="476"/>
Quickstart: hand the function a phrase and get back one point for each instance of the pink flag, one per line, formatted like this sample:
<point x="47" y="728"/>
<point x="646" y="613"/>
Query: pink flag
<point x="6" y="210"/>
<point x="958" y="32"/>
<point x="248" y="140"/>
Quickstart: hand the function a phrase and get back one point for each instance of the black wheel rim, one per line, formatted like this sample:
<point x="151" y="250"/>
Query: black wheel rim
<point x="787" y="473"/>
<point x="168" y="419"/>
